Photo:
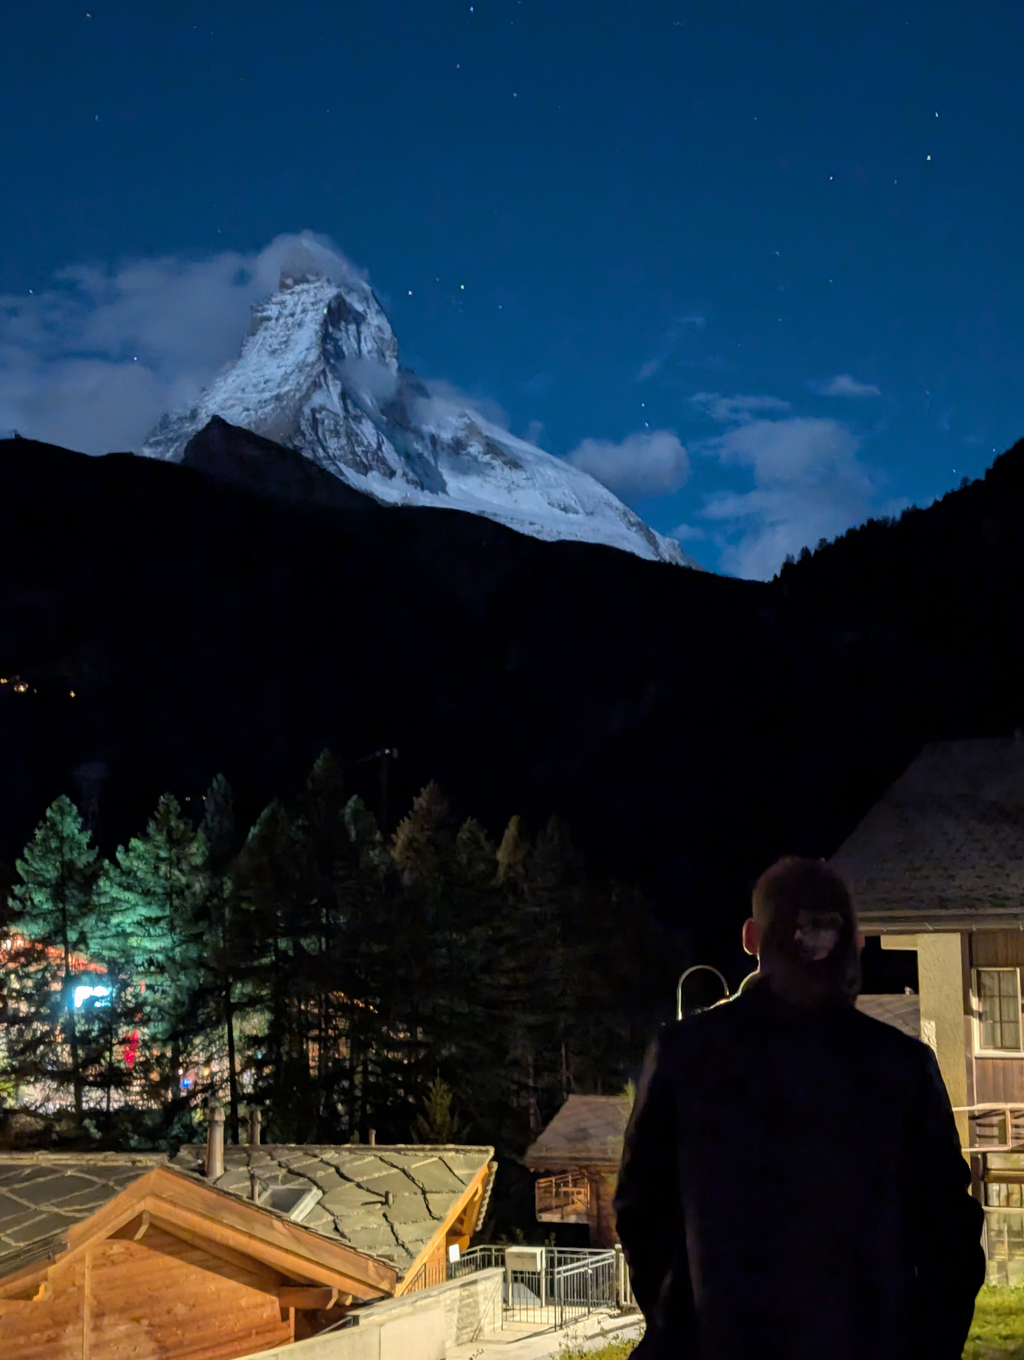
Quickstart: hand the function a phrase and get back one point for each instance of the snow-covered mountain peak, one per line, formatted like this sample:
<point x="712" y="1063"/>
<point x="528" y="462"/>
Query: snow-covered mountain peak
<point x="319" y="373"/>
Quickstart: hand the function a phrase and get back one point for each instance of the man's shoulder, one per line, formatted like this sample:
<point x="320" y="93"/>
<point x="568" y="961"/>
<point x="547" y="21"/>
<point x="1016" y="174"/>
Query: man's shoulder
<point x="895" y="1043"/>
<point x="746" y="1012"/>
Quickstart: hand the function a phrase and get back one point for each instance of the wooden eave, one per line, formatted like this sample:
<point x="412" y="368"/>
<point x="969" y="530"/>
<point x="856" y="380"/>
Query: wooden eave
<point x="925" y="921"/>
<point x="227" y="1225"/>
<point x="465" y="1201"/>
<point x="573" y="1161"/>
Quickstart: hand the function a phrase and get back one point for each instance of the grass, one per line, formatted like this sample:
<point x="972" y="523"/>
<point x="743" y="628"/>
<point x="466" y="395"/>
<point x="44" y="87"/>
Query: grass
<point x="614" y="1350"/>
<point x="997" y="1333"/>
<point x="998" y="1330"/>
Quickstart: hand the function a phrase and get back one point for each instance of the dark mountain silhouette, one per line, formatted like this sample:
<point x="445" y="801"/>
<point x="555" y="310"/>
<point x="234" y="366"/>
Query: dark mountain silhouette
<point x="211" y="616"/>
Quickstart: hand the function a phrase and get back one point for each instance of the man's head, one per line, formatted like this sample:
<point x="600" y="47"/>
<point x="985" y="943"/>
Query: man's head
<point x="803" y="929"/>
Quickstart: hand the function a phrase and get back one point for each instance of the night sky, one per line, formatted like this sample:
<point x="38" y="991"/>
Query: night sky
<point x="786" y="236"/>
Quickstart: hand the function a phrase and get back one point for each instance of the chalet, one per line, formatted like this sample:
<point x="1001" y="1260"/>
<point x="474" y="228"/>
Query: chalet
<point x="578" y="1156"/>
<point x="221" y="1252"/>
<point x="937" y="867"/>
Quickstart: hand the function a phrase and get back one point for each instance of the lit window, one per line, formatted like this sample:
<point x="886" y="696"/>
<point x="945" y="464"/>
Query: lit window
<point x="997" y="993"/>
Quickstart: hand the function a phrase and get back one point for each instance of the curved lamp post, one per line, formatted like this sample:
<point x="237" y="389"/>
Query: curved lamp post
<point x="693" y="969"/>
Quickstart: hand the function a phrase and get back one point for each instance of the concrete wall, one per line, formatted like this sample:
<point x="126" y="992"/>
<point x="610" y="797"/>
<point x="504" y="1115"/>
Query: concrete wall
<point x="420" y="1327"/>
<point x="940" y="983"/>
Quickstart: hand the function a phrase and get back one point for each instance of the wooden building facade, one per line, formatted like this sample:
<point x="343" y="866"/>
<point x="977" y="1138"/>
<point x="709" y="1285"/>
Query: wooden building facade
<point x="128" y="1257"/>
<point x="578" y="1157"/>
<point x="937" y="868"/>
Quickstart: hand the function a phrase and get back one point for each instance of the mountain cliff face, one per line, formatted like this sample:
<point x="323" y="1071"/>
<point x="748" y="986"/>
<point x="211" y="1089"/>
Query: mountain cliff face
<point x="319" y="373"/>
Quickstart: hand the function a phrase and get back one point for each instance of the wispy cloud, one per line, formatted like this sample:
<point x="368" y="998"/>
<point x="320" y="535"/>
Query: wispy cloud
<point x="730" y="409"/>
<point x="808" y="483"/>
<point x="651" y="463"/>
<point x="844" y="385"/>
<point x="93" y="361"/>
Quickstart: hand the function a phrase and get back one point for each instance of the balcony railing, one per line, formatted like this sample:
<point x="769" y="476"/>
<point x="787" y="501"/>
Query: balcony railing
<point x="563" y="1199"/>
<point x="994" y="1127"/>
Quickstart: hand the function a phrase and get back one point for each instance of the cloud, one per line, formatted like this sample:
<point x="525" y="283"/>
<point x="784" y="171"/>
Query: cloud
<point x="93" y="361"/>
<point x="809" y="483"/>
<point x="729" y="409"/>
<point x="446" y="402"/>
<point x="652" y="463"/>
<point x="687" y="533"/>
<point x="375" y="382"/>
<point x="843" y="385"/>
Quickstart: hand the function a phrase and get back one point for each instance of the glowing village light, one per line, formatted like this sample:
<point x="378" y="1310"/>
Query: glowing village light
<point x="83" y="993"/>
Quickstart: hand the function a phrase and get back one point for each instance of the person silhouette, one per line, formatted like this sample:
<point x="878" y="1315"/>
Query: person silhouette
<point x="792" y="1185"/>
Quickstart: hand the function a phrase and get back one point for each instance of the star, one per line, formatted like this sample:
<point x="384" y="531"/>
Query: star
<point x="927" y="158"/>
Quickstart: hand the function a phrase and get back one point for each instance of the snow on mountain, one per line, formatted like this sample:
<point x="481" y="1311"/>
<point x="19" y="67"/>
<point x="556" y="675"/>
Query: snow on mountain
<point x="319" y="373"/>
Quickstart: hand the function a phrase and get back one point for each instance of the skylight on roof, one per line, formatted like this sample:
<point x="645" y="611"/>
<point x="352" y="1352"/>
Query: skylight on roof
<point x="294" y="1201"/>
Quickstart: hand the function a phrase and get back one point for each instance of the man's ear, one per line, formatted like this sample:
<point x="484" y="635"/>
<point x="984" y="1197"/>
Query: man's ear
<point x="861" y="941"/>
<point x="751" y="935"/>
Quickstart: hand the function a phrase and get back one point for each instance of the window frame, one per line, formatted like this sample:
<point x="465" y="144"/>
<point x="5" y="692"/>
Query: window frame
<point x="979" y="1051"/>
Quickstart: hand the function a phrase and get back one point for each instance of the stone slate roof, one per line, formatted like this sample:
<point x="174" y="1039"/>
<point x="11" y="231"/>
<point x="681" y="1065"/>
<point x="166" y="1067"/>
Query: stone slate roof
<point x="387" y="1202"/>
<point x="42" y="1194"/>
<point x="944" y="847"/>
<point x="900" y="1009"/>
<point x="586" y="1131"/>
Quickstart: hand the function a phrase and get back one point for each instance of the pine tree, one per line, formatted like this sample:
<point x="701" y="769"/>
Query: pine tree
<point x="417" y="845"/>
<point x="49" y="1039"/>
<point x="513" y="852"/>
<point x="226" y="955"/>
<point x="266" y="897"/>
<point x="437" y="1124"/>
<point x="150" y="905"/>
<point x="323" y="842"/>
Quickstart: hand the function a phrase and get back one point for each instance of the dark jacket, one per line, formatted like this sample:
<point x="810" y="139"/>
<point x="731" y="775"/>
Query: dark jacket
<point x="792" y="1188"/>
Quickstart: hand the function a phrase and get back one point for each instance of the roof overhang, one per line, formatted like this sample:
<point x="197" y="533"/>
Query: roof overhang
<point x="465" y="1208"/>
<point x="923" y="922"/>
<point x="203" y="1215"/>
<point x="584" y="1160"/>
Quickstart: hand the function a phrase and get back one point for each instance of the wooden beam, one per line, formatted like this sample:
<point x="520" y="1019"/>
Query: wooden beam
<point x="297" y="1255"/>
<point x="310" y="1296"/>
<point x="42" y="1295"/>
<point x="135" y="1229"/>
<point x="261" y="1276"/>
<point x="475" y="1187"/>
<point x="328" y="1262"/>
<point x="87" y="1302"/>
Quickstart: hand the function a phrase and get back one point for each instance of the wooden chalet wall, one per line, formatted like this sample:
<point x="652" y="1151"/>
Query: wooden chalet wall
<point x="995" y="1080"/>
<point x="157" y="1299"/>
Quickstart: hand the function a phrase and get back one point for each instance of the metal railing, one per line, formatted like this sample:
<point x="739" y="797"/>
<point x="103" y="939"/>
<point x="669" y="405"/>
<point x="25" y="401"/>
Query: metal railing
<point x="552" y="1286"/>
<point x="476" y="1258"/>
<point x="993" y="1127"/>
<point x="583" y="1287"/>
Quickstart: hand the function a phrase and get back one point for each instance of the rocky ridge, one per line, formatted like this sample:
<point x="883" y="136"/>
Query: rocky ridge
<point x="320" y="373"/>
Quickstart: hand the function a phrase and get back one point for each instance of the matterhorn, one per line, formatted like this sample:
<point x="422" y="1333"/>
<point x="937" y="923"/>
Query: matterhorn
<point x="319" y="374"/>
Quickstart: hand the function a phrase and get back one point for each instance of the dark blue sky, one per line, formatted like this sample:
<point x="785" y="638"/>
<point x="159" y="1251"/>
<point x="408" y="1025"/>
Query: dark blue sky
<point x="588" y="213"/>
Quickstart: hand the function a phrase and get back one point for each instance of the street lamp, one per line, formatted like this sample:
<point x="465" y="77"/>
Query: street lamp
<point x="697" y="967"/>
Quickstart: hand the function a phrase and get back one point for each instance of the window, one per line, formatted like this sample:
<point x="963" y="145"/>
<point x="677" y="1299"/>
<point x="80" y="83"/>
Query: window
<point x="997" y="994"/>
<point x="1004" y="1234"/>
